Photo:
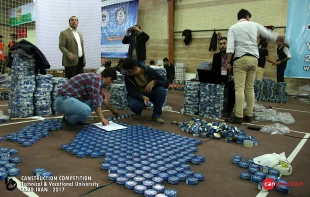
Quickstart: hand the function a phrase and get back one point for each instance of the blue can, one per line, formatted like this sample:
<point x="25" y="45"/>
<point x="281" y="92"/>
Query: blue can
<point x="245" y="175"/>
<point x="139" y="179"/>
<point x="150" y="193"/>
<point x="199" y="176"/>
<point x="174" y="180"/>
<point x="159" y="188"/>
<point x="148" y="183"/>
<point x="274" y="172"/>
<point x="157" y="180"/>
<point x="139" y="189"/>
<point x="38" y="171"/>
<point x="256" y="179"/>
<point x="170" y="192"/>
<point x="121" y="180"/>
<point x="130" y="185"/>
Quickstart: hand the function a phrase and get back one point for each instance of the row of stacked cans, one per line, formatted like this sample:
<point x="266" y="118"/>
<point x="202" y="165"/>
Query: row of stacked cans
<point x="22" y="86"/>
<point x="4" y="96"/>
<point x="211" y="100"/>
<point x="205" y="66"/>
<point x="191" y="96"/>
<point x="161" y="71"/>
<point x="270" y="91"/>
<point x="58" y="82"/>
<point x="118" y="96"/>
<point x="42" y="95"/>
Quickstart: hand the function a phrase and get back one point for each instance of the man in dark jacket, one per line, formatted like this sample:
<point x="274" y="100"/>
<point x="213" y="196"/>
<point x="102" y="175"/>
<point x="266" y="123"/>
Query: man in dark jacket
<point x="219" y="63"/>
<point x="136" y="39"/>
<point x="284" y="55"/>
<point x="144" y="85"/>
<point x="170" y="70"/>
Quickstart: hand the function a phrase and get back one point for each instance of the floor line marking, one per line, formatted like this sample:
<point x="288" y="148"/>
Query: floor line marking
<point x="289" y="159"/>
<point x="293" y="110"/>
<point x="24" y="189"/>
<point x="3" y="105"/>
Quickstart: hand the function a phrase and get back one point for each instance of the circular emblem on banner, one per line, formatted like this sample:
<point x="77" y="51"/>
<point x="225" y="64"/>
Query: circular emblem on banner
<point x="120" y="16"/>
<point x="105" y="17"/>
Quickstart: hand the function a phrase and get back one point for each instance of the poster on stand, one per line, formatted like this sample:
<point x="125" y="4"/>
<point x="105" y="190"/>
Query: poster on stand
<point x="298" y="39"/>
<point x="116" y="17"/>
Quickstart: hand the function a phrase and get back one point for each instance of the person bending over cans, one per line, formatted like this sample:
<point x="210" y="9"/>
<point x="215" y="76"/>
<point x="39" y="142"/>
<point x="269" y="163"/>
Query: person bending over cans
<point x="81" y="95"/>
<point x="144" y="85"/>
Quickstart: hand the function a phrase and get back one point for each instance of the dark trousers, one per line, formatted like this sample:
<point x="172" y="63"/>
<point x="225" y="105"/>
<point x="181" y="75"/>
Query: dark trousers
<point x="230" y="85"/>
<point x="74" y="70"/>
<point x="280" y="73"/>
<point x="170" y="77"/>
<point x="157" y="97"/>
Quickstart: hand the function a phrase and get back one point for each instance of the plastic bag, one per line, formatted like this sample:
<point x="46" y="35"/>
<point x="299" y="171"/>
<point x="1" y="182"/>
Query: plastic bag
<point x="285" y="117"/>
<point x="305" y="88"/>
<point x="166" y="108"/>
<point x="276" y="161"/>
<point x="270" y="160"/>
<point x="275" y="129"/>
<point x="259" y="107"/>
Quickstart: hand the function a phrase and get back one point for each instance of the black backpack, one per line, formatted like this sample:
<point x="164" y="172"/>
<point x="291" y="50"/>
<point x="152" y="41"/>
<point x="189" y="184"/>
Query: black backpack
<point x="188" y="36"/>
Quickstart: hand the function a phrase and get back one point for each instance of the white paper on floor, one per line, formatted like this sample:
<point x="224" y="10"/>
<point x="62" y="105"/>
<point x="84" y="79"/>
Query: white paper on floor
<point x="112" y="126"/>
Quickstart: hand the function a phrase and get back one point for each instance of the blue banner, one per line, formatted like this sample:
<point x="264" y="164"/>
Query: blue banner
<point x="116" y="19"/>
<point x="298" y="38"/>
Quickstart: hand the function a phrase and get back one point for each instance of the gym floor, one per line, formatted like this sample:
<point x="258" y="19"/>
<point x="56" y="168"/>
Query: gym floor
<point x="221" y="175"/>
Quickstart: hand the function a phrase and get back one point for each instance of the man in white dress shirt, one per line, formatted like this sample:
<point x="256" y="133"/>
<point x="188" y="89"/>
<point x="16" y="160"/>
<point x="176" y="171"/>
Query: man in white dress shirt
<point x="242" y="42"/>
<point x="72" y="47"/>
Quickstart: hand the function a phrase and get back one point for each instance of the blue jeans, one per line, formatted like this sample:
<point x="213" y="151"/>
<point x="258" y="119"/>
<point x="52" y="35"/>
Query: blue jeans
<point x="75" y="110"/>
<point x="157" y="97"/>
<point x="141" y="62"/>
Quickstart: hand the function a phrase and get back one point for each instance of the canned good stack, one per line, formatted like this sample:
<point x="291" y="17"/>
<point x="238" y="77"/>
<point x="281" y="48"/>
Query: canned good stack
<point x="118" y="96"/>
<point x="281" y="93"/>
<point x="140" y="158"/>
<point x="22" y="86"/>
<point x="205" y="66"/>
<point x="270" y="91"/>
<point x="161" y="70"/>
<point x="57" y="83"/>
<point x="3" y="118"/>
<point x="5" y="80"/>
<point x="258" y="89"/>
<point x="180" y="73"/>
<point x="42" y="95"/>
<point x="120" y="79"/>
<point x="257" y="174"/>
<point x="8" y="163"/>
<point x="4" y="96"/>
<point x="216" y="130"/>
<point x="29" y="135"/>
<point x="211" y="100"/>
<point x="191" y="96"/>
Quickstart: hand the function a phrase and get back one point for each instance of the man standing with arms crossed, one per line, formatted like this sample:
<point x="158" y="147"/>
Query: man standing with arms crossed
<point x="242" y="42"/>
<point x="72" y="47"/>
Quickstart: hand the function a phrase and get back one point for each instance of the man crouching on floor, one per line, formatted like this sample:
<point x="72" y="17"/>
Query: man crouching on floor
<point x="144" y="85"/>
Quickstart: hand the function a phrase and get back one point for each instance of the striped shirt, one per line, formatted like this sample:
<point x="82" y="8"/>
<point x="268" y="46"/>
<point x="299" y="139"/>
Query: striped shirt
<point x="242" y="38"/>
<point x="85" y="86"/>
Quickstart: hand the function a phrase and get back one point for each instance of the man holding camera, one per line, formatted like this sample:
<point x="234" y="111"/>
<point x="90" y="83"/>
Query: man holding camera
<point x="136" y="39"/>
